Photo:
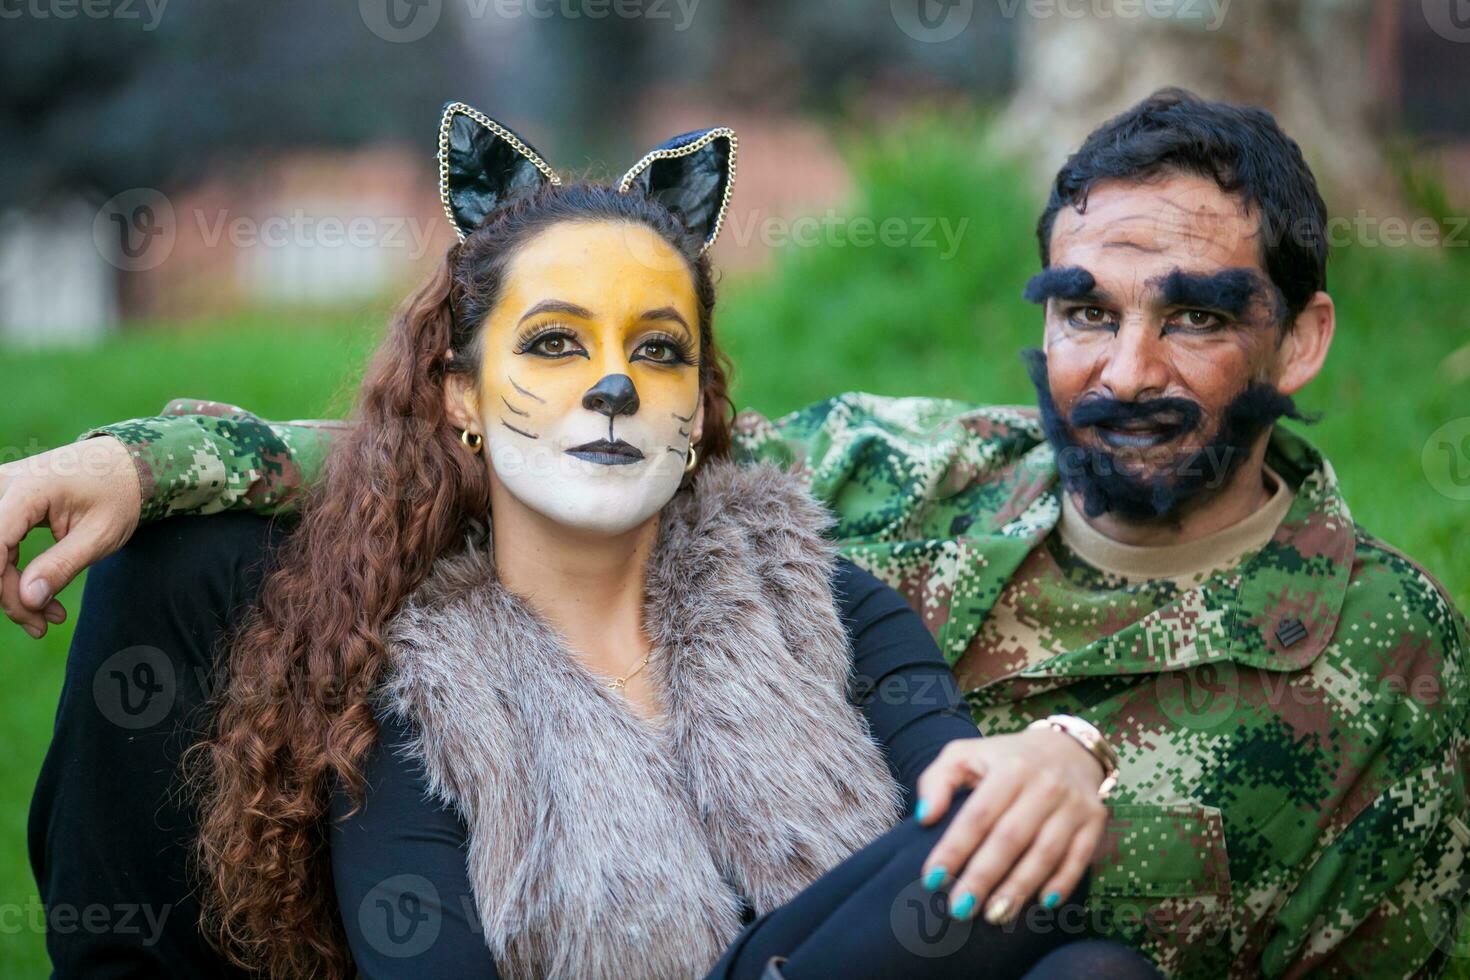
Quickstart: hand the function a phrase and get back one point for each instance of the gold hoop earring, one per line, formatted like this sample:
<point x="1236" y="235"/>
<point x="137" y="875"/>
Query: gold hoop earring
<point x="472" y="440"/>
<point x="692" y="461"/>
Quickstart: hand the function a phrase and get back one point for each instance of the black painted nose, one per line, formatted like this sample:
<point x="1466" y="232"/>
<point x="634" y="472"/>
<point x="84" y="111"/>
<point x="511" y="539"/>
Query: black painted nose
<point x="614" y="395"/>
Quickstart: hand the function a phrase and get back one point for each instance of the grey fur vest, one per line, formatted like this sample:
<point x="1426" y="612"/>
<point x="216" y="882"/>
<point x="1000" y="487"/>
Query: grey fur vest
<point x="603" y="845"/>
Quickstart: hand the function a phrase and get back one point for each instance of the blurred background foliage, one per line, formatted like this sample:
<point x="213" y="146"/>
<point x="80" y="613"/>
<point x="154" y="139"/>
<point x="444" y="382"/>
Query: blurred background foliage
<point x="261" y="109"/>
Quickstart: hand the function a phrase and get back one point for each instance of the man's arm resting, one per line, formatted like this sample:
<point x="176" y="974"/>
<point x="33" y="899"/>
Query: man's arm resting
<point x="196" y="458"/>
<point x="206" y="457"/>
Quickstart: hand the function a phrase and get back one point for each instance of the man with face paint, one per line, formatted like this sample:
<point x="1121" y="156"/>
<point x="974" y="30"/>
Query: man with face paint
<point x="1150" y="551"/>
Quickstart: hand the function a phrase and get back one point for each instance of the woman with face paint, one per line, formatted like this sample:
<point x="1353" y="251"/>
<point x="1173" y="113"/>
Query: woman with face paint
<point x="546" y="685"/>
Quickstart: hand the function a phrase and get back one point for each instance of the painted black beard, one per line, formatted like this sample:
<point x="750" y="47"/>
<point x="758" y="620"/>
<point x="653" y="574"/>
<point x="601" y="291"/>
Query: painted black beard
<point x="1106" y="486"/>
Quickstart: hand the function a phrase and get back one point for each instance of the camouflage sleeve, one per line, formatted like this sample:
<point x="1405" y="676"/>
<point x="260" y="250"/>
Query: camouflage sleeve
<point x="205" y="457"/>
<point x="1386" y="897"/>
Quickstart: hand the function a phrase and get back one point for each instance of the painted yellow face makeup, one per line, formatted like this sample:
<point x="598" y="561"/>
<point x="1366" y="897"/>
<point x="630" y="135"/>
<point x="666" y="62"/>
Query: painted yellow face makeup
<point x="589" y="389"/>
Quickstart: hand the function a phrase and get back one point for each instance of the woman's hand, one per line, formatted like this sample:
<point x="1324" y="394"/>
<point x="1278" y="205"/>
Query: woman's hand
<point x="1029" y="827"/>
<point x="88" y="494"/>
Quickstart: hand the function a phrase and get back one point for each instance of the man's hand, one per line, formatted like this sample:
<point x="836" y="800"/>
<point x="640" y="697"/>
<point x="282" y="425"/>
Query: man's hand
<point x="1030" y="826"/>
<point x="88" y="494"/>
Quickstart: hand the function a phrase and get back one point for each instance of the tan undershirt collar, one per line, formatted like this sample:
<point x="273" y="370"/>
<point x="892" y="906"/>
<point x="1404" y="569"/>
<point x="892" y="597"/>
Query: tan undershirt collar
<point x="1190" y="559"/>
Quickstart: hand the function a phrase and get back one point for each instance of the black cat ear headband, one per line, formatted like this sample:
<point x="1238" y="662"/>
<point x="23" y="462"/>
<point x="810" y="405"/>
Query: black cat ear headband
<point x="482" y="164"/>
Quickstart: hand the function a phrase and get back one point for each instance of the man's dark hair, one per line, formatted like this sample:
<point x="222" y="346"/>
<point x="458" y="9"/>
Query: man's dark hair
<point x="1241" y="148"/>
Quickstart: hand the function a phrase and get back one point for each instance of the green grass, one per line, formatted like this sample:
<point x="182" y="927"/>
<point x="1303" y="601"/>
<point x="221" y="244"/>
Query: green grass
<point x="828" y="318"/>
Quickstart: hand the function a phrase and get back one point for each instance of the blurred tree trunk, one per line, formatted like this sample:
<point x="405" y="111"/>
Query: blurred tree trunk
<point x="1308" y="61"/>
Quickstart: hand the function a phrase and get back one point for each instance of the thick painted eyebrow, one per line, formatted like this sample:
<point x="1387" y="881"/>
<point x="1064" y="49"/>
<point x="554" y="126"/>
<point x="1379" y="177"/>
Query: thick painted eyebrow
<point x="671" y="315"/>
<point x="1228" y="291"/>
<point x="1060" y="282"/>
<point x="557" y="306"/>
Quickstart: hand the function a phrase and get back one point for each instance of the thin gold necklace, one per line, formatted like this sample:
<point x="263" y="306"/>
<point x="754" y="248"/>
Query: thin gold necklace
<point x="618" y="683"/>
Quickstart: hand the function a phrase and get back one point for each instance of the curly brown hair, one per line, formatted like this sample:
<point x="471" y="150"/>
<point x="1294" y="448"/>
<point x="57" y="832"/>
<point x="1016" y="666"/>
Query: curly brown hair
<point x="295" y="718"/>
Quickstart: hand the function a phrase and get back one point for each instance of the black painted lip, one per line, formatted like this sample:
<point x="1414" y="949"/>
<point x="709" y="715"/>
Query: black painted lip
<point x="605" y="453"/>
<point x="1138" y="436"/>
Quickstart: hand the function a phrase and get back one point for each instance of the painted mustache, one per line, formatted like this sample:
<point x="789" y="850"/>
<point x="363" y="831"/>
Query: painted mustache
<point x="607" y="452"/>
<point x="1137" y="425"/>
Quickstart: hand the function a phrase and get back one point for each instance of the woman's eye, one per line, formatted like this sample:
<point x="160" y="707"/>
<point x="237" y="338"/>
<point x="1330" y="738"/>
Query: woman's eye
<point x="554" y="345"/>
<point x="660" y="352"/>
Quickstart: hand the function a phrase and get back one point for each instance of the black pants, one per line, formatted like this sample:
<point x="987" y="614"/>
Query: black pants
<point x="871" y="917"/>
<point x="110" y="826"/>
<point x="112" y="830"/>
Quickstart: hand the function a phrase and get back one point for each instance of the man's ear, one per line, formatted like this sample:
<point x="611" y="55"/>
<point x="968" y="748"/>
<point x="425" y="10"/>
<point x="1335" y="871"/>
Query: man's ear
<point x="1304" y="348"/>
<point x="461" y="406"/>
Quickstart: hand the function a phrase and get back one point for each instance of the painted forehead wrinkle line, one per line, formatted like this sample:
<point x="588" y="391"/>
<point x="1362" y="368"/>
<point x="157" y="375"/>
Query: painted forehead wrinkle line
<point x="1059" y="282"/>
<point x="1229" y="290"/>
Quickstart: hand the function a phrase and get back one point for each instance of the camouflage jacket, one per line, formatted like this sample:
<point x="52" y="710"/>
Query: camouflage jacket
<point x="1292" y="730"/>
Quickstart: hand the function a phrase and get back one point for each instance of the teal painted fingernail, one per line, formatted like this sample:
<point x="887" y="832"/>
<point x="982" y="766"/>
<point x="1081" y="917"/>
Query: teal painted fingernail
<point x="964" y="907"/>
<point x="1052" y="900"/>
<point x="935" y="878"/>
<point x="921" y="810"/>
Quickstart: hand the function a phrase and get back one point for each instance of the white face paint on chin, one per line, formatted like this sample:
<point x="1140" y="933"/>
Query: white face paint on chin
<point x="609" y="493"/>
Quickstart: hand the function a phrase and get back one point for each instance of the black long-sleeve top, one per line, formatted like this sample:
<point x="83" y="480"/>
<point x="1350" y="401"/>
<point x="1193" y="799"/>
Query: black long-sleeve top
<point x="398" y="863"/>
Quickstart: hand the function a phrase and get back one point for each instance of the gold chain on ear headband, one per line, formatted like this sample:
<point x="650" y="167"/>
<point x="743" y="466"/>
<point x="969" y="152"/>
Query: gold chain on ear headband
<point x="521" y="147"/>
<point x="482" y="163"/>
<point x="694" y="146"/>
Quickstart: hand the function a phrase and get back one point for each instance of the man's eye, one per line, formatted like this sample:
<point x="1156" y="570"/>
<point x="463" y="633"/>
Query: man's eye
<point x="1200" y="319"/>
<point x="1090" y="316"/>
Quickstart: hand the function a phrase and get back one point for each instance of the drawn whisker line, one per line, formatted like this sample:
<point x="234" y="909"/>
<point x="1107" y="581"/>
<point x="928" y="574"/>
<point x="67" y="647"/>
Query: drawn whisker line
<point x="683" y="432"/>
<point x="519" y="432"/>
<point x="682" y="418"/>
<point x="674" y="451"/>
<point x="523" y="391"/>
<point x="517" y="411"/>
